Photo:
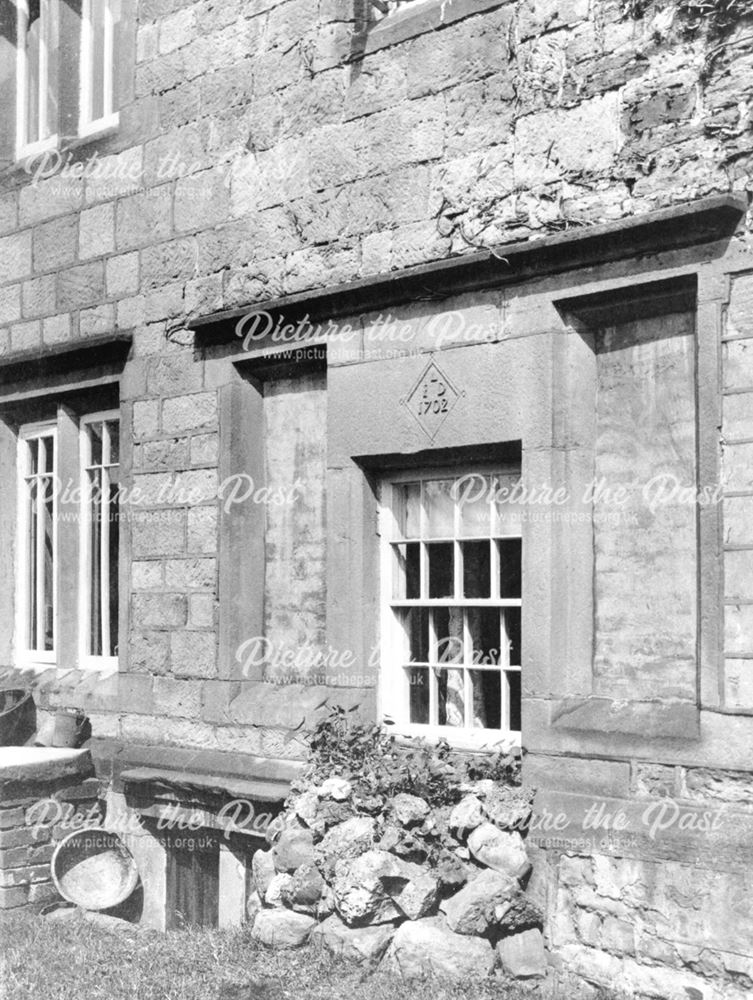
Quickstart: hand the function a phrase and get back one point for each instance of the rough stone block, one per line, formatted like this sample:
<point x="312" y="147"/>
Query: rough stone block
<point x="572" y="774"/>
<point x="57" y="329"/>
<point x="355" y="944"/>
<point x="186" y="413"/>
<point x="149" y="652"/>
<point x="523" y="955"/>
<point x="427" y="947"/>
<point x="10" y="303"/>
<point x="738" y="575"/>
<point x="55" y="244"/>
<point x="38" y="296"/>
<point x="177" y="698"/>
<point x="142" y="219"/>
<point x="193" y="654"/>
<point x="282" y="928"/>
<point x="15" y="256"/>
<point x="122" y="275"/>
<point x="145" y="418"/>
<point x="159" y="611"/>
<point x="96" y="235"/>
<point x="158" y="532"/>
<point x="81" y="286"/>
<point x="737" y="364"/>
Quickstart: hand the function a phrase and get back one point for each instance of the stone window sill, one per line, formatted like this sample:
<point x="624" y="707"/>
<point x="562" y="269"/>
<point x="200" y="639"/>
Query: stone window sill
<point x="651" y="719"/>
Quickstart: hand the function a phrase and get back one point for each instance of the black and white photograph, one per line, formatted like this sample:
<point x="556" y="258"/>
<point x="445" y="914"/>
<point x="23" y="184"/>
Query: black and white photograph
<point x="376" y="499"/>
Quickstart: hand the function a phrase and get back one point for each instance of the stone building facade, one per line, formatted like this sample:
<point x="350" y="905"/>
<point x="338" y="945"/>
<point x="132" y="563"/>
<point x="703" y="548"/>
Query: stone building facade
<point x="278" y="278"/>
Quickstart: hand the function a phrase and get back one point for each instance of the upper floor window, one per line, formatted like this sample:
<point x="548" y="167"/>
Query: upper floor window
<point x="67" y="70"/>
<point x="37" y="74"/>
<point x="451" y="575"/>
<point x="100" y="28"/>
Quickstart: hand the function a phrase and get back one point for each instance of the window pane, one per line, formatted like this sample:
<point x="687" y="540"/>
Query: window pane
<point x="52" y="38"/>
<point x="441" y="569"/>
<point x="114" y="540"/>
<point x="33" y="466"/>
<point x="95" y="565"/>
<point x="31" y="558"/>
<point x="472" y="493"/>
<point x="484" y="630"/>
<point x="513" y="681"/>
<point x="117" y="47"/>
<point x="451" y="698"/>
<point x="440" y="508"/>
<point x="98" y="58"/>
<point x="408" y="510"/>
<point x="486" y="689"/>
<point x="33" y="51"/>
<point x="476" y="569"/>
<point x="48" y="609"/>
<point x="113" y="428"/>
<point x="448" y="629"/>
<point x="46" y="455"/>
<point x="418" y="696"/>
<point x="415" y="622"/>
<point x="512" y="627"/>
<point x="508" y="509"/>
<point x="509" y="568"/>
<point x="95" y="443"/>
<point x="407" y="582"/>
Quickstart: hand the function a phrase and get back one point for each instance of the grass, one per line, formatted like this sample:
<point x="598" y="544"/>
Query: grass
<point x="77" y="960"/>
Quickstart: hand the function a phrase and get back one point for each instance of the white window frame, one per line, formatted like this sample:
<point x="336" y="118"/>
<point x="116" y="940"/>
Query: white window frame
<point x="86" y="659"/>
<point x="23" y="655"/>
<point x="25" y="147"/>
<point x="87" y="125"/>
<point x="391" y="686"/>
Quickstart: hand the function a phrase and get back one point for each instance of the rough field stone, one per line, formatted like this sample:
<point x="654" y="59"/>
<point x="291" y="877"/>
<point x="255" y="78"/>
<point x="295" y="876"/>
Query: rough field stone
<point x="472" y="910"/>
<point x="428" y="947"/>
<point x="306" y="807"/>
<point x="282" y="928"/>
<point x="356" y="944"/>
<point x="517" y="915"/>
<point x="346" y="840"/>
<point x="508" y="810"/>
<point x="278" y="888"/>
<point x="359" y="888"/>
<point x="418" y="897"/>
<point x="263" y="869"/>
<point x="410" y="810"/>
<point x="523" y="955"/>
<point x="467" y="815"/>
<point x="306" y="888"/>
<point x="294" y="848"/>
<point x="336" y="788"/>
<point x="398" y="840"/>
<point x="504" y="852"/>
<point x="452" y="874"/>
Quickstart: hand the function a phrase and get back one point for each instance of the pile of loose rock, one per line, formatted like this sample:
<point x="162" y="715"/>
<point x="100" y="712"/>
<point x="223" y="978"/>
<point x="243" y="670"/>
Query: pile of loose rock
<point x="421" y="889"/>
